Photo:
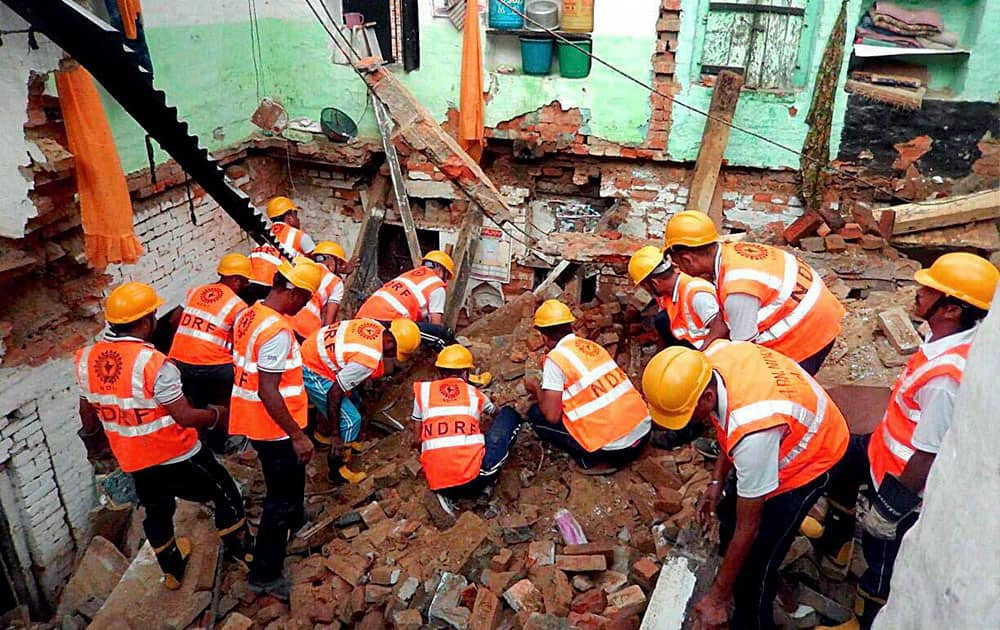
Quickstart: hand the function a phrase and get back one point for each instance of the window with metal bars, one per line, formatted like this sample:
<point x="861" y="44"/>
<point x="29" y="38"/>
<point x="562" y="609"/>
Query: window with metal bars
<point x="396" y="25"/>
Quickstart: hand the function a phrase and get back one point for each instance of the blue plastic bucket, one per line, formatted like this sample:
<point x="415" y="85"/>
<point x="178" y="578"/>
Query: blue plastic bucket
<point x="503" y="17"/>
<point x="536" y="54"/>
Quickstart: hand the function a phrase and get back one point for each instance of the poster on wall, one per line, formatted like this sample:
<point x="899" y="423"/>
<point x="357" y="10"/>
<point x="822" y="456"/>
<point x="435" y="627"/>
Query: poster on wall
<point x="492" y="261"/>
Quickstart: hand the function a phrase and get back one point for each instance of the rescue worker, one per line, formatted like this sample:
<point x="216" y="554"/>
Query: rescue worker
<point x="324" y="306"/>
<point x="132" y="401"/>
<point x="954" y="296"/>
<point x="768" y="296"/>
<point x="585" y="404"/>
<point x="689" y="308"/>
<point x="781" y="433"/>
<point x="419" y="295"/>
<point x="287" y="228"/>
<point x="269" y="407"/>
<point x="336" y="360"/>
<point x="458" y="460"/>
<point x="203" y="341"/>
<point x="264" y="261"/>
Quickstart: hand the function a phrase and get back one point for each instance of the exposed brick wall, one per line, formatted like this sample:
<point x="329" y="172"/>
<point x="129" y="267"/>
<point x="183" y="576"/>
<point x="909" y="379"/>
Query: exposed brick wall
<point x="667" y="29"/>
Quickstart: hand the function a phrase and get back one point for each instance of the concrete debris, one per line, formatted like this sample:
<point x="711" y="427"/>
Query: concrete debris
<point x="896" y="325"/>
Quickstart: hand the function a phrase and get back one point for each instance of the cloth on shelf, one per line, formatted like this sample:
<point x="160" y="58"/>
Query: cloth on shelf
<point x="902" y="28"/>
<point x="911" y="17"/>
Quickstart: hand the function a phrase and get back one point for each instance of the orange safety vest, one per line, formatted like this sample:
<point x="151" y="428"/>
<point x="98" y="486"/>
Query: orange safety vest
<point x="327" y="350"/>
<point x="289" y="236"/>
<point x="205" y="334"/>
<point x="407" y="296"/>
<point x="891" y="445"/>
<point x="310" y="317"/>
<point x="452" y="444"/>
<point x="264" y="261"/>
<point x="600" y="404"/>
<point x="117" y="378"/>
<point x="247" y="415"/>
<point x="685" y="323"/>
<point x="798" y="315"/>
<point x="765" y="389"/>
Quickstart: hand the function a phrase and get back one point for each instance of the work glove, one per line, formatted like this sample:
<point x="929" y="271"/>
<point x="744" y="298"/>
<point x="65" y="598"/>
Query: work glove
<point x="890" y="505"/>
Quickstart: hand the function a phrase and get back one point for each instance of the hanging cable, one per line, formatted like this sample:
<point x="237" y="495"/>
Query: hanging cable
<point x="253" y="47"/>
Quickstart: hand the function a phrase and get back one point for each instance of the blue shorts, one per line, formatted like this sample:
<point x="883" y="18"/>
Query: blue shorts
<point x="350" y="418"/>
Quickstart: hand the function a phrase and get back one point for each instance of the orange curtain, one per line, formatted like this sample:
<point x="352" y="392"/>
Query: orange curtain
<point x="105" y="205"/>
<point x="471" y="135"/>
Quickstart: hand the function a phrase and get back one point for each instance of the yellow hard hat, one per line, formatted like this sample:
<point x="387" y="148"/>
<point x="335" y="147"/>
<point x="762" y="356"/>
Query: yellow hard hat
<point x="690" y="228"/>
<point x="455" y="357"/>
<point x="407" y="337"/>
<point x="234" y="265"/>
<point x="329" y="248"/>
<point x="672" y="382"/>
<point x="305" y="274"/>
<point x="968" y="277"/>
<point x="644" y="261"/>
<point x="279" y="206"/>
<point x="441" y="258"/>
<point x="553" y="313"/>
<point x="131" y="302"/>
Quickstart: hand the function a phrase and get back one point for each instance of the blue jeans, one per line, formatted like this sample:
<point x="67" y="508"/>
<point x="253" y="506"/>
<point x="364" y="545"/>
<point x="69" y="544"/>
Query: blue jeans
<point x="317" y="388"/>
<point x="500" y="438"/>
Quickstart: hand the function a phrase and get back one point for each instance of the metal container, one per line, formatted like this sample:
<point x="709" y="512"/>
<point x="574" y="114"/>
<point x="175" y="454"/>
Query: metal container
<point x="541" y="13"/>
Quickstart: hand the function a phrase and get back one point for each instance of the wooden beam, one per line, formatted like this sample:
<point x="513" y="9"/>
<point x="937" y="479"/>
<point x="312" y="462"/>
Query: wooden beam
<point x="365" y="256"/>
<point x="396" y="174"/>
<point x="713" y="143"/>
<point x="552" y="277"/>
<point x="463" y="255"/>
<point x="938" y="213"/>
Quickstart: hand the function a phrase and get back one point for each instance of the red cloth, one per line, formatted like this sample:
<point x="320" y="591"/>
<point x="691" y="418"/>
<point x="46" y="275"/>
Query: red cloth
<point x="471" y="134"/>
<point x="105" y="204"/>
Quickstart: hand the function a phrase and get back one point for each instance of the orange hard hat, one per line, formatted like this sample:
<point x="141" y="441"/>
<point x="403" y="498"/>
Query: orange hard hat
<point x="131" y="302"/>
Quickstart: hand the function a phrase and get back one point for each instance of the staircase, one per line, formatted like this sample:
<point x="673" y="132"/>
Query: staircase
<point x="102" y="50"/>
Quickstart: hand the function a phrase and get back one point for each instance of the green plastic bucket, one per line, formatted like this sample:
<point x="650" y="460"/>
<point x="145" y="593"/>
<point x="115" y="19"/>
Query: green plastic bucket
<point x="573" y="63"/>
<point x="536" y="54"/>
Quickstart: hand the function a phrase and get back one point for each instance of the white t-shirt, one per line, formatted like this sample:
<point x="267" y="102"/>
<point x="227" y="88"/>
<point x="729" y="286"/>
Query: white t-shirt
<point x="337" y="295"/>
<point x="307" y="243"/>
<point x="755" y="457"/>
<point x="937" y="397"/>
<point x="167" y="386"/>
<point x="741" y="316"/>
<point x="352" y="375"/>
<point x="554" y="380"/>
<point x="705" y="306"/>
<point x="274" y="352"/>
<point x="435" y="303"/>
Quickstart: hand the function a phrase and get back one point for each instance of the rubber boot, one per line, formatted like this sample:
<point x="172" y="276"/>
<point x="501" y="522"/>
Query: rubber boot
<point x="837" y="543"/>
<point x="339" y="472"/>
<point x="237" y="544"/>
<point x="837" y="567"/>
<point x="321" y="440"/>
<point x="811" y="528"/>
<point x="481" y="380"/>
<point x="173" y="558"/>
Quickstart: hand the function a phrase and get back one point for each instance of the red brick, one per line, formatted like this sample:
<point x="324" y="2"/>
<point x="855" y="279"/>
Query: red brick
<point x="556" y="590"/>
<point x="835" y="243"/>
<point x="823" y="229"/>
<point x="871" y="242"/>
<point x="626" y="602"/>
<point x="605" y="549"/>
<point x="851" y="232"/>
<point x="669" y="501"/>
<point x="644" y="573"/>
<point x="501" y="561"/>
<point x="593" y="601"/>
<point x="524" y="597"/>
<point x="407" y="620"/>
<point x="806" y="225"/>
<point x="581" y="564"/>
<point x="587" y="621"/>
<point x="541" y="553"/>
<point x="485" y="611"/>
<point x="886" y="221"/>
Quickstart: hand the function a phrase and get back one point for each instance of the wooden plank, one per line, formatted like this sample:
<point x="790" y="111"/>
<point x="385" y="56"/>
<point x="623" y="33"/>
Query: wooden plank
<point x="551" y="278"/>
<point x="464" y="254"/>
<point x="713" y="142"/>
<point x="396" y="174"/>
<point x="939" y="213"/>
<point x="365" y="255"/>
<point x="980" y="235"/>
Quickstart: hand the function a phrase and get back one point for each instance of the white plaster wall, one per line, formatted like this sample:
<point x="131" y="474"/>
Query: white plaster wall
<point x="17" y="61"/>
<point x="948" y="571"/>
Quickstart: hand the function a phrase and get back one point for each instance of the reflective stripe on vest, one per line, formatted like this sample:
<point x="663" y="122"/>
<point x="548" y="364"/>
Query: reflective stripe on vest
<point x="117" y="378"/>
<point x="600" y="404"/>
<point x="798" y="315"/>
<point x="248" y="416"/>
<point x="330" y="348"/>
<point x="891" y="446"/>
<point x="765" y="389"/>
<point x="264" y="261"/>
<point x="204" y="337"/>
<point x="684" y="321"/>
<point x="405" y="296"/>
<point x="452" y="444"/>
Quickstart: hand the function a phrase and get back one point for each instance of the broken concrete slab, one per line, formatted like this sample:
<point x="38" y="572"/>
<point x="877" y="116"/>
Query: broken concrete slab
<point x="99" y="571"/>
<point x="896" y="324"/>
<point x="667" y="607"/>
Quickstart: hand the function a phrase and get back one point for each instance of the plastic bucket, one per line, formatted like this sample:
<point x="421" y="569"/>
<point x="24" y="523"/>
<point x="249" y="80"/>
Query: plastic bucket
<point x="578" y="16"/>
<point x="502" y="17"/>
<point x="536" y="54"/>
<point x="573" y="63"/>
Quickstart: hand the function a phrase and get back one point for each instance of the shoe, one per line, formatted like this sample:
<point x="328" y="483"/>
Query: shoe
<point x="350" y="476"/>
<point x="237" y="547"/>
<point x="279" y="588"/>
<point x="668" y="439"/>
<point x="708" y="447"/>
<point x="481" y="380"/>
<point x="446" y="504"/>
<point x="811" y="528"/>
<point x="173" y="560"/>
<point x="321" y="440"/>
<point x="850" y="624"/>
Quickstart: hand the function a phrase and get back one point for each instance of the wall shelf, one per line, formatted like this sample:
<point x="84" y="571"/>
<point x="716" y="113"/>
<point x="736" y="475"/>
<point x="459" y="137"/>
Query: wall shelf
<point x="534" y="33"/>
<point x="868" y="51"/>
